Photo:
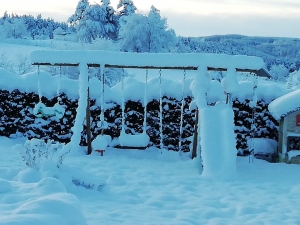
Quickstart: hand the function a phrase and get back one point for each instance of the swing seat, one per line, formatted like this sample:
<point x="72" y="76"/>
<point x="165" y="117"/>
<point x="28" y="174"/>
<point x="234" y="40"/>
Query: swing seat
<point x="41" y="110"/>
<point x="101" y="142"/>
<point x="136" y="141"/>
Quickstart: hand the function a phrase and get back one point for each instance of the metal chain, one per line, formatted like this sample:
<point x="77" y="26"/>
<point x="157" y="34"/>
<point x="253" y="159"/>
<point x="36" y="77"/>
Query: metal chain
<point x="161" y="112"/>
<point x="145" y="103"/>
<point x="181" y="112"/>
<point x="123" y="103"/>
<point x="253" y="128"/>
<point x="39" y="84"/>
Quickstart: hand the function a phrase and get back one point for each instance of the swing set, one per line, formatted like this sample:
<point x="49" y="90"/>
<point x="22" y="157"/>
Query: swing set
<point x="103" y="59"/>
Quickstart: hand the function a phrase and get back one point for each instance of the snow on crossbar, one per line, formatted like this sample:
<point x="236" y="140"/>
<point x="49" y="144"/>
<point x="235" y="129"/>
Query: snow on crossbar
<point x="187" y="61"/>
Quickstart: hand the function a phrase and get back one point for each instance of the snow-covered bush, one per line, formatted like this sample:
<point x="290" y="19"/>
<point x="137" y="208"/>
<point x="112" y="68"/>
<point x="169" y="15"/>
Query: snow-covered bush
<point x="37" y="151"/>
<point x="279" y="72"/>
<point x="293" y="80"/>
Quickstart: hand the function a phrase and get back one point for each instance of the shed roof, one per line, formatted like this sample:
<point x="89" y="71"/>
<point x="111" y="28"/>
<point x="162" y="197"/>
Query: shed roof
<point x="285" y="104"/>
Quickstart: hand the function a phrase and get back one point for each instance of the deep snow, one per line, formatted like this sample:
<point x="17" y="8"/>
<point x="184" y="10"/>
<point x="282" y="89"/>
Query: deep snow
<point x="151" y="186"/>
<point x="146" y="187"/>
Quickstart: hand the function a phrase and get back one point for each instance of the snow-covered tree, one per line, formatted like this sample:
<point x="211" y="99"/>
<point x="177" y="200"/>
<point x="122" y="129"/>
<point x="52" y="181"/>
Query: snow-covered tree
<point x="149" y="33"/>
<point x="94" y="21"/>
<point x="126" y="7"/>
<point x="79" y="12"/>
<point x="279" y="72"/>
<point x="161" y="39"/>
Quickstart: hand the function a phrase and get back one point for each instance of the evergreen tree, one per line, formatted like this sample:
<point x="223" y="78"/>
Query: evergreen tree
<point x="126" y="7"/>
<point x="94" y="21"/>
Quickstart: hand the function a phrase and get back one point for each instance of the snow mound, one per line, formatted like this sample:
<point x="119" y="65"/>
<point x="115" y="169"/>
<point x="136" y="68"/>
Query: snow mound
<point x="41" y="203"/>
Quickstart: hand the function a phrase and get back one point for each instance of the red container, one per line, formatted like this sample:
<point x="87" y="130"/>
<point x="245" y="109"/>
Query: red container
<point x="298" y="120"/>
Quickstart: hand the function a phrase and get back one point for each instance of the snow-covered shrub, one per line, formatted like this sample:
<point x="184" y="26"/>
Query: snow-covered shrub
<point x="293" y="80"/>
<point x="279" y="72"/>
<point x="37" y="151"/>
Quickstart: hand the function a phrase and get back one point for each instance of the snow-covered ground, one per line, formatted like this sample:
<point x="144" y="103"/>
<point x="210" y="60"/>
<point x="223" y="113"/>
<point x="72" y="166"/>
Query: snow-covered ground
<point x="143" y="187"/>
<point x="147" y="187"/>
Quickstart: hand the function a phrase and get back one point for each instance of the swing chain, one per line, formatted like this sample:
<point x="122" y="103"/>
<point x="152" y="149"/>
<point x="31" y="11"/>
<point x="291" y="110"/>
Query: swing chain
<point x="159" y="76"/>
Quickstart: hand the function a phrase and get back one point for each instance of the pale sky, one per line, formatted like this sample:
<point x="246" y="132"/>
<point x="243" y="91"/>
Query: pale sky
<point x="274" y="18"/>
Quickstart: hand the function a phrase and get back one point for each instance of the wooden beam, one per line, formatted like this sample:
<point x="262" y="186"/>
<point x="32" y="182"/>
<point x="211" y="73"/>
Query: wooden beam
<point x="147" y="67"/>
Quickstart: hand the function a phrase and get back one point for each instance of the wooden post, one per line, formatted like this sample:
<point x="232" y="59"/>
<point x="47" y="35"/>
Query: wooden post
<point x="88" y="125"/>
<point x="195" y="140"/>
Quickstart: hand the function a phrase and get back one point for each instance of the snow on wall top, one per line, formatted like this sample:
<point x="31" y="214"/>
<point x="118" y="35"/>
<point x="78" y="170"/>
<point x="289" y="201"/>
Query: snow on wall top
<point x="147" y="59"/>
<point x="285" y="104"/>
<point x="133" y="88"/>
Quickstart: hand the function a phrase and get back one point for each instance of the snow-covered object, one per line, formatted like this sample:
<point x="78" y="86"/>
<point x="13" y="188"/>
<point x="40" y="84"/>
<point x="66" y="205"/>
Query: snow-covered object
<point x="134" y="140"/>
<point x="81" y="110"/>
<point x="218" y="145"/>
<point x="200" y="87"/>
<point x="285" y="104"/>
<point x="41" y="110"/>
<point x="148" y="59"/>
<point x="266" y="90"/>
<point x="101" y="142"/>
<point x="293" y="153"/>
<point x="215" y="92"/>
<point x="263" y="145"/>
<point x="41" y="202"/>
<point x="230" y="83"/>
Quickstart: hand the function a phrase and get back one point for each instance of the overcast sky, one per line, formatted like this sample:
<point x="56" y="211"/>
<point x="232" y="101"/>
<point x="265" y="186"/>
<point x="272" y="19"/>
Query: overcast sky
<point x="276" y="18"/>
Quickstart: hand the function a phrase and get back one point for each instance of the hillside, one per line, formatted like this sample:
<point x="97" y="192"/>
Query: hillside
<point x="273" y="50"/>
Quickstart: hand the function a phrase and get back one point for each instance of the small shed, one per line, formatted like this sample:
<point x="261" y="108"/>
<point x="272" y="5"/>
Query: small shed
<point x="286" y="109"/>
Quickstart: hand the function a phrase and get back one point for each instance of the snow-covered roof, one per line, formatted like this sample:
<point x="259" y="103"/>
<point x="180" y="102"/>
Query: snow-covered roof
<point x="285" y="104"/>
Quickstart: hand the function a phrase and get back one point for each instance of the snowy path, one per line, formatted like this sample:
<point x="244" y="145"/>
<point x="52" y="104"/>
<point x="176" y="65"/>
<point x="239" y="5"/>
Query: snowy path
<point x="145" y="187"/>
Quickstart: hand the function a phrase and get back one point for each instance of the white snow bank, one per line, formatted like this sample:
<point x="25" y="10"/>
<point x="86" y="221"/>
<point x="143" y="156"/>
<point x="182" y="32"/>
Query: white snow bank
<point x="134" y="88"/>
<point x="285" y="104"/>
<point x="44" y="202"/>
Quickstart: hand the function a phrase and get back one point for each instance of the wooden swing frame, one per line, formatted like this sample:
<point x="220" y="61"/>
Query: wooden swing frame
<point x="108" y="59"/>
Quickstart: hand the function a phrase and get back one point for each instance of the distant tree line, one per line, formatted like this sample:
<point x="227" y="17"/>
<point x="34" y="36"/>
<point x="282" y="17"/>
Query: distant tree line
<point x="126" y="29"/>
<point x="21" y="26"/>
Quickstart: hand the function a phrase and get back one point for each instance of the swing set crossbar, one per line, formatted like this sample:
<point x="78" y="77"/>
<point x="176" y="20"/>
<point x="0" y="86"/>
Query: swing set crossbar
<point x="146" y="67"/>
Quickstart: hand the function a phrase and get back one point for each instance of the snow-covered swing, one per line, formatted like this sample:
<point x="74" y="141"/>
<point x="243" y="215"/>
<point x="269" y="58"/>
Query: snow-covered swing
<point x="134" y="141"/>
<point x="41" y="110"/>
<point x="100" y="143"/>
